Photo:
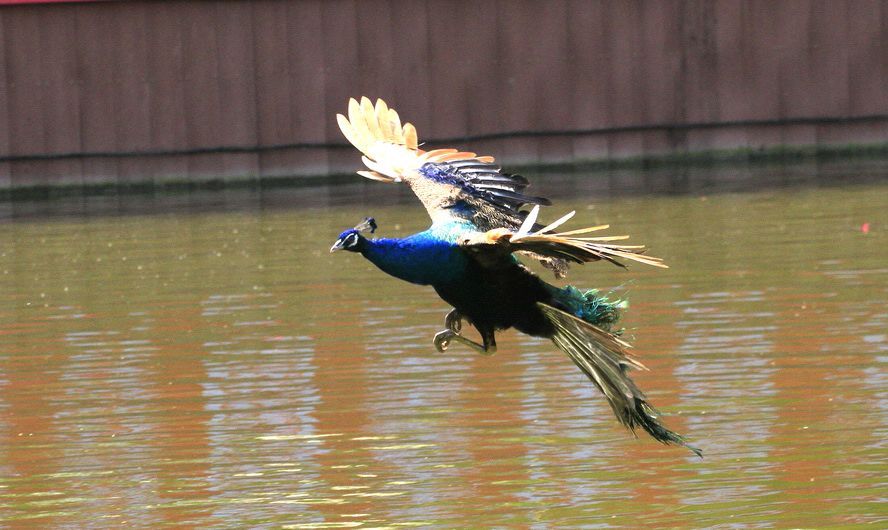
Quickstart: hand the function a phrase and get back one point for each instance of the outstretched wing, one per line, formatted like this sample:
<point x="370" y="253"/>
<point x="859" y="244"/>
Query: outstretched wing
<point x="449" y="183"/>
<point x="575" y="246"/>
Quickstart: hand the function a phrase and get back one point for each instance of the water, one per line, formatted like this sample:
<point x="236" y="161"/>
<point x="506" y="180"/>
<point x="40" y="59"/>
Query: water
<point x="199" y="368"/>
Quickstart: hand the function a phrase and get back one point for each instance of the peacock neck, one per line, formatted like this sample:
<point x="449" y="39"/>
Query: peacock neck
<point x="431" y="257"/>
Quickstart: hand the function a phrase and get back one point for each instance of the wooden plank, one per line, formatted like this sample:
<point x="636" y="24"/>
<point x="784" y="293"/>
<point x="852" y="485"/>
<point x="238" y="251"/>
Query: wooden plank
<point x="666" y="55"/>
<point x="340" y="53"/>
<point x="461" y="49"/>
<point x="310" y="118"/>
<point x="340" y="47"/>
<point x="237" y="87"/>
<point x="166" y="91"/>
<point x="828" y="45"/>
<point x="465" y="97"/>
<point x="830" y="77"/>
<point x="413" y="62"/>
<point x="203" y="100"/>
<point x="94" y="42"/>
<point x="845" y="133"/>
<point x="446" y="114"/>
<point x="791" y="41"/>
<point x="60" y="96"/>
<point x="703" y="35"/>
<point x="130" y="96"/>
<point x="5" y="169"/>
<point x="747" y="86"/>
<point x="730" y="94"/>
<point x="553" y="79"/>
<point x="791" y="36"/>
<point x="589" y="97"/>
<point x="867" y="39"/>
<point x="762" y="58"/>
<point x="23" y="62"/>
<point x="532" y="78"/>
<point x="375" y="46"/>
<point x="275" y="101"/>
<point x="757" y="94"/>
<point x="626" y="76"/>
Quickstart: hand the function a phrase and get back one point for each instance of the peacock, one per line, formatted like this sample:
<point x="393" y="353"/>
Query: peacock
<point x="470" y="256"/>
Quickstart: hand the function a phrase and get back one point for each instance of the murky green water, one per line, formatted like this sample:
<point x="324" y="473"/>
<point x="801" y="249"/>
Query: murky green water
<point x="205" y="369"/>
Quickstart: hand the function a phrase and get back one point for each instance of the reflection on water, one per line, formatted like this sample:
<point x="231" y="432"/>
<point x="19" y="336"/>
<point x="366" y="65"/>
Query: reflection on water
<point x="197" y="369"/>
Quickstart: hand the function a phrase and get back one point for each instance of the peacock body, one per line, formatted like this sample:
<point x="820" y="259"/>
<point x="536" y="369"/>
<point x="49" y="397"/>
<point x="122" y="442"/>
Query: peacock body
<point x="470" y="256"/>
<point x="491" y="298"/>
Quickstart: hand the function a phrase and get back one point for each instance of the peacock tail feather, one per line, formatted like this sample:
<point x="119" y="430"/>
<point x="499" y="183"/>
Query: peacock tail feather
<point x="604" y="358"/>
<point x="590" y="306"/>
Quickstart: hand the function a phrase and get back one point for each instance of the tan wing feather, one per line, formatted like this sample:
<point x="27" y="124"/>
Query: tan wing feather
<point x="385" y="127"/>
<point x="450" y="155"/>
<point x="392" y="147"/>
<point x="438" y="155"/>
<point x="348" y="131"/>
<point x="395" y="122"/>
<point x="410" y="138"/>
<point x="368" y="113"/>
<point x="356" y="120"/>
<point x="586" y="230"/>
<point x="458" y="156"/>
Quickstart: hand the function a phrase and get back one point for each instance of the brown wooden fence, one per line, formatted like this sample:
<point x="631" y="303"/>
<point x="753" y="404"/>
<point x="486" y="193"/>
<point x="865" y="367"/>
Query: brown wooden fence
<point x="142" y="90"/>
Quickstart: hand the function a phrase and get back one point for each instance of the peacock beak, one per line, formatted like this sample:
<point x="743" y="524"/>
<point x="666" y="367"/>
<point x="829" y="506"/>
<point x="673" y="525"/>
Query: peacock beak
<point x="339" y="245"/>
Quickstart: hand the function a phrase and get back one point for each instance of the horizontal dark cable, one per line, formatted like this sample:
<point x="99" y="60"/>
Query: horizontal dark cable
<point x="668" y="127"/>
<point x="222" y="149"/>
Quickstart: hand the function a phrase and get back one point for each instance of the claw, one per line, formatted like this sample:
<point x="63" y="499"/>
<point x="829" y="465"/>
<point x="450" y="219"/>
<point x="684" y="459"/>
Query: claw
<point x="453" y="321"/>
<point x="442" y="339"/>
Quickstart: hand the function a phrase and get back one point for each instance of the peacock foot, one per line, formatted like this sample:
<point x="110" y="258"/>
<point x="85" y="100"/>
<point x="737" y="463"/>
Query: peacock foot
<point x="443" y="339"/>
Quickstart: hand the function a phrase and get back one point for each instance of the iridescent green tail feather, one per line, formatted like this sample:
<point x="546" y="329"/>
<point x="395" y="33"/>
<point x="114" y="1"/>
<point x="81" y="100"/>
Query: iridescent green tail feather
<point x="589" y="306"/>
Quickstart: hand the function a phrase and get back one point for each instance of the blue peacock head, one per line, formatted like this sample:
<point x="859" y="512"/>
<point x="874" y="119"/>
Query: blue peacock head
<point x="351" y="239"/>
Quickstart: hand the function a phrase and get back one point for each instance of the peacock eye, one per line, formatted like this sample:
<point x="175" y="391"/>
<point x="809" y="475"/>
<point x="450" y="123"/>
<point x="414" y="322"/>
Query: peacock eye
<point x="351" y="240"/>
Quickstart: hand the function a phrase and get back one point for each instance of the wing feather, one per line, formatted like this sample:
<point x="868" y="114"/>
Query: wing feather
<point x="385" y="126"/>
<point x="528" y="223"/>
<point x="355" y="118"/>
<point x="586" y="230"/>
<point x="391" y="153"/>
<point x="395" y="122"/>
<point x="556" y="224"/>
<point x="559" y="245"/>
<point x="410" y="138"/>
<point x="368" y="113"/>
<point x="438" y="155"/>
<point x="347" y="130"/>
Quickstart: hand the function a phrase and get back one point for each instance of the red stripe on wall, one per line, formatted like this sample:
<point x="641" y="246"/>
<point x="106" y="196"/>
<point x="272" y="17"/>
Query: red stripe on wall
<point x="14" y="2"/>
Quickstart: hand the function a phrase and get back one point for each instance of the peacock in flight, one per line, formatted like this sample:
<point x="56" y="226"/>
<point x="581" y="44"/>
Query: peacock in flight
<point x="469" y="255"/>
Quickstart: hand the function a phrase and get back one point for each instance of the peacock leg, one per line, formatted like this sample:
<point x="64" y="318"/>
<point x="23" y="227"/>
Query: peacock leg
<point x="443" y="339"/>
<point x="453" y="321"/>
<point x="489" y="338"/>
